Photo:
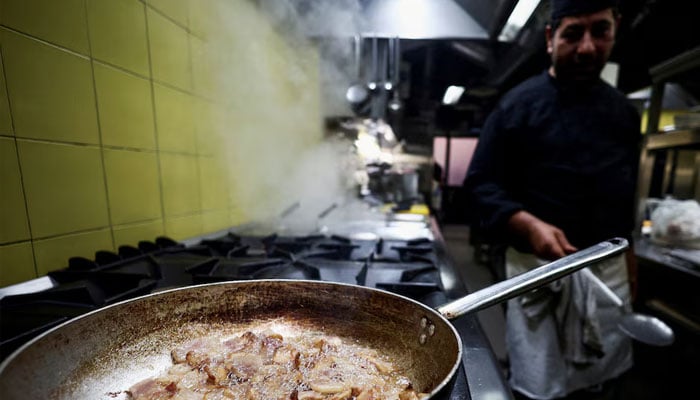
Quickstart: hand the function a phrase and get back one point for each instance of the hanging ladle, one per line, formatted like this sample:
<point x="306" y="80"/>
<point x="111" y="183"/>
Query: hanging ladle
<point x="395" y="54"/>
<point x="357" y="93"/>
<point x="643" y="328"/>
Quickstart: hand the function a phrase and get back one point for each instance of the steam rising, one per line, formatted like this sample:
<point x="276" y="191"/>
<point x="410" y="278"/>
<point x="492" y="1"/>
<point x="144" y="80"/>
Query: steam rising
<point x="331" y="26"/>
<point x="313" y="18"/>
<point x="267" y="86"/>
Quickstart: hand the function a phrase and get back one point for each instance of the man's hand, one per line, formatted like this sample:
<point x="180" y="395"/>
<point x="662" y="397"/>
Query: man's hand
<point x="547" y="241"/>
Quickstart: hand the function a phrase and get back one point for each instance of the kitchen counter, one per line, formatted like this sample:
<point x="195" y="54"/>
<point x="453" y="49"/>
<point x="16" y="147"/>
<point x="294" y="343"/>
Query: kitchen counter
<point x="667" y="289"/>
<point x="486" y="380"/>
<point x="484" y="376"/>
<point x="678" y="260"/>
<point x="479" y="377"/>
<point x="667" y="285"/>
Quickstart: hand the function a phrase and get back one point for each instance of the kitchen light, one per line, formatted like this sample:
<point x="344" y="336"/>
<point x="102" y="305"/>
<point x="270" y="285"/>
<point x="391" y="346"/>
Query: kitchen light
<point x="520" y="15"/>
<point x="367" y="147"/>
<point x="452" y="95"/>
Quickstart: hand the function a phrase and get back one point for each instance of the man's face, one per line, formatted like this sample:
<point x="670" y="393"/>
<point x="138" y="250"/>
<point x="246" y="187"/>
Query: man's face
<point x="581" y="45"/>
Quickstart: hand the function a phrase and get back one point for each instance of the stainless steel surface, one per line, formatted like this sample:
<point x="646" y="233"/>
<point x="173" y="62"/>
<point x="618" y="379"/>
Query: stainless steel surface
<point x="357" y="93"/>
<point x="103" y="353"/>
<point x="433" y="19"/>
<point x="395" y="55"/>
<point x="481" y="366"/>
<point x="391" y="61"/>
<point x="668" y="144"/>
<point x="93" y="347"/>
<point x="681" y="172"/>
<point x="356" y="218"/>
<point x="374" y="79"/>
<point x="686" y="174"/>
<point x="681" y="63"/>
<point x="395" y="102"/>
<point x="482" y="369"/>
<point x="647" y="251"/>
<point x="668" y="70"/>
<point x="674" y="139"/>
<point x="647" y="329"/>
<point x="524" y="282"/>
<point x="350" y="220"/>
<point x="394" y="186"/>
<point x="684" y="64"/>
<point x="34" y="285"/>
<point x="689" y="256"/>
<point x="644" y="328"/>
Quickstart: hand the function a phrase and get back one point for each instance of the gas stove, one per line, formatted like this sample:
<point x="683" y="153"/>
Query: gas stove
<point x="416" y="268"/>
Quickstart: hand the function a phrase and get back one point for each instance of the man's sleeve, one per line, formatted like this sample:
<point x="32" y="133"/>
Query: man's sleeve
<point x="486" y="179"/>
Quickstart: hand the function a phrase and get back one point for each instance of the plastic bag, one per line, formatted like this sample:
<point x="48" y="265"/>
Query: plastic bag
<point x="676" y="223"/>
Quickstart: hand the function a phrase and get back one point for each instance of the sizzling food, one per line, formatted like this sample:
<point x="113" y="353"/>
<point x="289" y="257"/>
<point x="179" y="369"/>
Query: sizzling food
<point x="267" y="365"/>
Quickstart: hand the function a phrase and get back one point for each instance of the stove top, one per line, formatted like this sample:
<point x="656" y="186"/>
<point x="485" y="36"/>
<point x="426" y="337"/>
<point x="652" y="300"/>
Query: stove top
<point x="409" y="267"/>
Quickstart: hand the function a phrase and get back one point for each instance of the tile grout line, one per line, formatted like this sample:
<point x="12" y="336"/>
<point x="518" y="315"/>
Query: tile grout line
<point x="19" y="164"/>
<point x="196" y="116"/>
<point x="95" y="229"/>
<point x="44" y="42"/>
<point x="186" y="27"/>
<point x="99" y="126"/>
<point x="108" y="147"/>
<point x="71" y="233"/>
<point x="155" y="121"/>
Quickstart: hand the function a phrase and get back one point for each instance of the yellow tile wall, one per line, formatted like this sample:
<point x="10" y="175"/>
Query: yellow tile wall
<point x="64" y="187"/>
<point x="125" y="105"/>
<point x="132" y="234"/>
<point x="59" y="22"/>
<point x="50" y="90"/>
<point x="169" y="51"/>
<point x="175" y="111"/>
<point x="124" y="120"/>
<point x="53" y="253"/>
<point x="5" y="120"/>
<point x="126" y="170"/>
<point x="14" y="259"/>
<point x="118" y="34"/>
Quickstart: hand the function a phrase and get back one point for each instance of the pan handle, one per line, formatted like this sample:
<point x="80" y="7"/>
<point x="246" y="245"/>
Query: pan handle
<point x="534" y="278"/>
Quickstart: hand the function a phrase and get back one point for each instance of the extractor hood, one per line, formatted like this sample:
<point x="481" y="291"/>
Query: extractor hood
<point x="406" y="19"/>
<point x="421" y="19"/>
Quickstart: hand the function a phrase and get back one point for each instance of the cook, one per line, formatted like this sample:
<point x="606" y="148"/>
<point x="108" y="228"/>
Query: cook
<point x="555" y="171"/>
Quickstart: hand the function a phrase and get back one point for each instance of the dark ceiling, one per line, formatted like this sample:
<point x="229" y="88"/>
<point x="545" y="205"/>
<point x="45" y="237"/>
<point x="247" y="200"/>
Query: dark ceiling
<point x="651" y="32"/>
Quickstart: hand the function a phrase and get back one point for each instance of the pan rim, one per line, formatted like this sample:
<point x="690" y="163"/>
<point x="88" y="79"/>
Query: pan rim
<point x="429" y="310"/>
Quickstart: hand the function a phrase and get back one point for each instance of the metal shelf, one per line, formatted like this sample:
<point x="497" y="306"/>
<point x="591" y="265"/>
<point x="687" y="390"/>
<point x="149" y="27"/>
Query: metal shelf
<point x="675" y="66"/>
<point x="683" y="64"/>
<point x="669" y="161"/>
<point x="649" y="252"/>
<point x="673" y="139"/>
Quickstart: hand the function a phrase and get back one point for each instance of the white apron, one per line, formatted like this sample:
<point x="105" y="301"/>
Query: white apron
<point x="564" y="336"/>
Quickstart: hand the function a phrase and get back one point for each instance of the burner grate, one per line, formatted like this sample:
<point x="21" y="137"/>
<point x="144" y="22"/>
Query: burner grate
<point x="404" y="267"/>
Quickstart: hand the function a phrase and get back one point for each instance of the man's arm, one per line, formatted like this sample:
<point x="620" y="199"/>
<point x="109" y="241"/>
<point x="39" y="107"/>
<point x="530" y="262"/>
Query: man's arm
<point x="485" y="182"/>
<point x="498" y="213"/>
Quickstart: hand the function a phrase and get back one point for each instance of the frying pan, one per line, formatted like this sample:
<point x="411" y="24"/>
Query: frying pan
<point x="103" y="353"/>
